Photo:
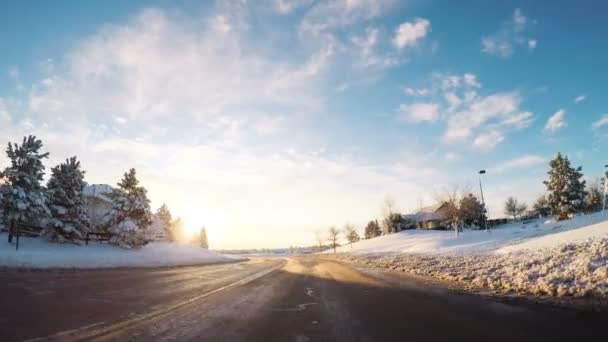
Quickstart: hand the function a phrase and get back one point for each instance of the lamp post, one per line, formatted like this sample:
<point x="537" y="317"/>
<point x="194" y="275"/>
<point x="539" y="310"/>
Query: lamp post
<point x="483" y="202"/>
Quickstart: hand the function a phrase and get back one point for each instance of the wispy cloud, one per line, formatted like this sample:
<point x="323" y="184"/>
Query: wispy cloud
<point x="556" y="122"/>
<point x="601" y="122"/>
<point x="580" y="98"/>
<point x="512" y="34"/>
<point x="483" y="121"/>
<point x="419" y="112"/>
<point x="522" y="162"/>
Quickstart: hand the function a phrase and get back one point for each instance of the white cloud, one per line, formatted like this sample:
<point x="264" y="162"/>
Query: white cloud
<point x="520" y="120"/>
<point x="120" y="120"/>
<point x="408" y="33"/>
<point x="556" y="121"/>
<point x="220" y="24"/>
<point x="159" y="64"/>
<point x="416" y="91"/>
<point x="483" y="121"/>
<point x="367" y="56"/>
<point x="288" y="6"/>
<point x="500" y="109"/>
<point x="328" y="15"/>
<point x="522" y="162"/>
<point x="603" y="121"/>
<point x="580" y="98"/>
<point x="419" y="112"/>
<point x="487" y="141"/>
<point x="503" y="42"/>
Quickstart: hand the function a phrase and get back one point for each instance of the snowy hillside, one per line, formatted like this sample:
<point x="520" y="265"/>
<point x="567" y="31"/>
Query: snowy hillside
<point x="566" y="258"/>
<point x="37" y="253"/>
<point x="503" y="238"/>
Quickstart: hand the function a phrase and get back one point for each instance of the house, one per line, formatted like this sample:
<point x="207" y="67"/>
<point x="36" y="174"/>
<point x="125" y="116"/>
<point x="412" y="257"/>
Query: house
<point x="431" y="217"/>
<point x="98" y="203"/>
<point x="156" y="231"/>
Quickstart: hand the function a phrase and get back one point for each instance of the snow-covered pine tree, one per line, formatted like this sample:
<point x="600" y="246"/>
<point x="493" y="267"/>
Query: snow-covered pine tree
<point x="203" y="237"/>
<point x="164" y="214"/>
<point x="69" y="221"/>
<point x="593" y="200"/>
<point x="24" y="201"/>
<point x="565" y="188"/>
<point x="130" y="216"/>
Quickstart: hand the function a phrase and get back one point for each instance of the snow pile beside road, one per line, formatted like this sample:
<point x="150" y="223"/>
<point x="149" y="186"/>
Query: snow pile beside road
<point x="433" y="242"/>
<point x="577" y="269"/>
<point x="38" y="253"/>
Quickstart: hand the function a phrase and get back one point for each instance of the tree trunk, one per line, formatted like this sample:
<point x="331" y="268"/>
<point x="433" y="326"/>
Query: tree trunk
<point x="10" y="233"/>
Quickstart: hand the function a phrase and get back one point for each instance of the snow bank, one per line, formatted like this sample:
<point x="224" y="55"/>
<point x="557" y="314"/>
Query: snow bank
<point x="566" y="258"/>
<point x="597" y="230"/>
<point x="579" y="269"/>
<point x="431" y="242"/>
<point x="38" y="253"/>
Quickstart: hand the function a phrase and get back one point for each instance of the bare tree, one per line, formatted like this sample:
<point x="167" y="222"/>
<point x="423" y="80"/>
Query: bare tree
<point x="451" y="197"/>
<point x="389" y="209"/>
<point x="514" y="208"/>
<point x="319" y="238"/>
<point x="351" y="234"/>
<point x="333" y="237"/>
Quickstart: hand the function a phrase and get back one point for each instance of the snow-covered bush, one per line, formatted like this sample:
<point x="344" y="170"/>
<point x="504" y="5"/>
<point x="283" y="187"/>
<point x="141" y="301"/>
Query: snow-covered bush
<point x="24" y="200"/>
<point x="69" y="221"/>
<point x="130" y="216"/>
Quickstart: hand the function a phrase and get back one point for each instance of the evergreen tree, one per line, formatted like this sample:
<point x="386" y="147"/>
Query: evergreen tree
<point x="24" y="202"/>
<point x="351" y="234"/>
<point x="471" y="211"/>
<point x="203" y="237"/>
<point x="372" y="230"/>
<point x="69" y="220"/>
<point x="594" y="200"/>
<point x="565" y="187"/>
<point x="130" y="216"/>
<point x="164" y="215"/>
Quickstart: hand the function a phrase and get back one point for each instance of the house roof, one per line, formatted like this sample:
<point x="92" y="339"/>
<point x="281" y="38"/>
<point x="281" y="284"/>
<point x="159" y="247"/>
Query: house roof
<point x="428" y="213"/>
<point x="99" y="191"/>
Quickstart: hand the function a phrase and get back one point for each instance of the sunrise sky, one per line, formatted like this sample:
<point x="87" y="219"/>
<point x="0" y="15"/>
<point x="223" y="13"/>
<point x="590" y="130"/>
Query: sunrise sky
<point x="267" y="120"/>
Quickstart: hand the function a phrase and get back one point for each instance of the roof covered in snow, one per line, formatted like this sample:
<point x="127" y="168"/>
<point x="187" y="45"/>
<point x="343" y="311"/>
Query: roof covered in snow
<point x="100" y="191"/>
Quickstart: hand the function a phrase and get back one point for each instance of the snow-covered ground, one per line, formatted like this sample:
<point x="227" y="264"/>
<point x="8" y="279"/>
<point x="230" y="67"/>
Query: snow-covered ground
<point x="567" y="258"/>
<point x="501" y="238"/>
<point x="38" y="253"/>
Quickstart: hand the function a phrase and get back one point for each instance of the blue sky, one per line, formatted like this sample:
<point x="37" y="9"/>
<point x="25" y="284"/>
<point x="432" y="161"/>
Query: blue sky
<point x="285" y="117"/>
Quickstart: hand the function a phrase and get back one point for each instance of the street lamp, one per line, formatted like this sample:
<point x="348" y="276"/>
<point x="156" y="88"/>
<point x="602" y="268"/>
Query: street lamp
<point x="483" y="202"/>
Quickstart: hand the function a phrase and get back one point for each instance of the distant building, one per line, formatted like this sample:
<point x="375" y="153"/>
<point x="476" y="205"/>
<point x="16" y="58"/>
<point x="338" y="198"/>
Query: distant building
<point x="156" y="230"/>
<point x="98" y="203"/>
<point x="431" y="217"/>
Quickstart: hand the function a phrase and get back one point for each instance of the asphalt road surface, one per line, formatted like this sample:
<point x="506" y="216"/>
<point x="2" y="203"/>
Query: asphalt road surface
<point x="293" y="299"/>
